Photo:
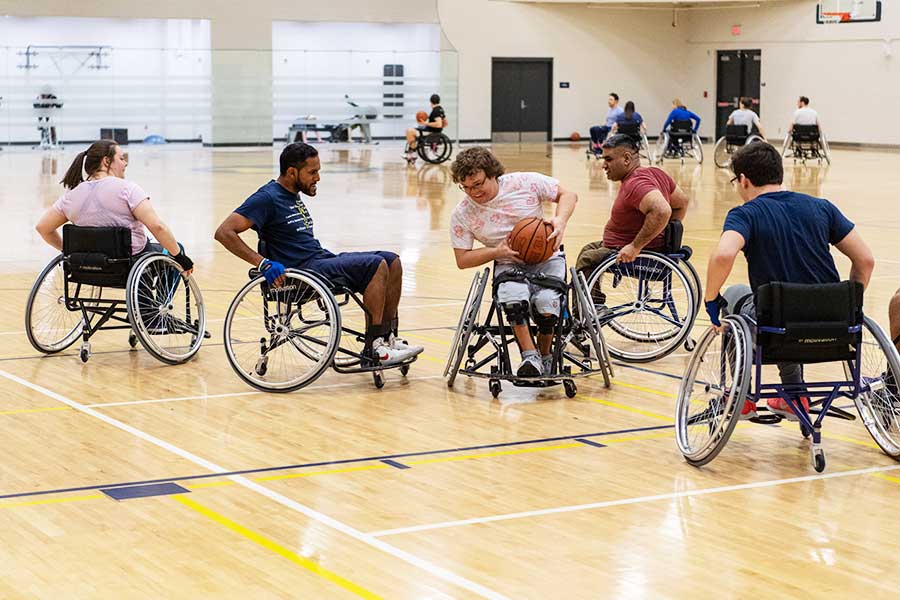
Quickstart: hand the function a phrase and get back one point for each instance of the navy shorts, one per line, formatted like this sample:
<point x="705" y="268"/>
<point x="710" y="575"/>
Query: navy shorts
<point x="353" y="270"/>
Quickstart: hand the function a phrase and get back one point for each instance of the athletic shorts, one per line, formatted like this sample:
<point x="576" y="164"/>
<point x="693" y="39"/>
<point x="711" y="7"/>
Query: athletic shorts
<point x="353" y="270"/>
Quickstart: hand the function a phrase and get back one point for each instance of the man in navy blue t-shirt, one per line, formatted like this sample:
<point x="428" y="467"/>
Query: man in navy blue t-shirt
<point x="785" y="236"/>
<point x="277" y="213"/>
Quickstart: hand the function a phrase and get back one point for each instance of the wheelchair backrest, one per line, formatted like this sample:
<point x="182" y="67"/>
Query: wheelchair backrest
<point x="736" y="135"/>
<point x="805" y="133"/>
<point x="815" y="322"/>
<point x="98" y="256"/>
<point x="672" y="235"/>
<point x="630" y="129"/>
<point x="682" y="127"/>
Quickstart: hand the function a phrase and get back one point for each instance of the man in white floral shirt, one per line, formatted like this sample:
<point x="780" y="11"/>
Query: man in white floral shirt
<point x="493" y="204"/>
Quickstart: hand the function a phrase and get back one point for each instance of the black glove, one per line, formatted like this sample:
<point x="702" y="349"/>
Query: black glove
<point x="183" y="261"/>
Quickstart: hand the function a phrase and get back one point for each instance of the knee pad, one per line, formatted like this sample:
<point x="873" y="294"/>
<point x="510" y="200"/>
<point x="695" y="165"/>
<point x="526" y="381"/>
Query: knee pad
<point x="546" y="323"/>
<point x="516" y="312"/>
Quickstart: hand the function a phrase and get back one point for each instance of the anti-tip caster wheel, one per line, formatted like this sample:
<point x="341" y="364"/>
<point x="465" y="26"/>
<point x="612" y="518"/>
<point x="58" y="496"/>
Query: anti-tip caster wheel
<point x="132" y="339"/>
<point x="689" y="345"/>
<point x="378" y="378"/>
<point x="495" y="388"/>
<point x="85" y="353"/>
<point x="404" y="370"/>
<point x="570" y="387"/>
<point x="818" y="460"/>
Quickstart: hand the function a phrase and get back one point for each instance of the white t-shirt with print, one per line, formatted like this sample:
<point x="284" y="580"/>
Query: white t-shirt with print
<point x="520" y="196"/>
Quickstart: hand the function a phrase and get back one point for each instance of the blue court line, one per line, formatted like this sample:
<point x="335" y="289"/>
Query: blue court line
<point x="144" y="491"/>
<point x="395" y="464"/>
<point x="590" y="443"/>
<point x="332" y="462"/>
<point x="646" y="370"/>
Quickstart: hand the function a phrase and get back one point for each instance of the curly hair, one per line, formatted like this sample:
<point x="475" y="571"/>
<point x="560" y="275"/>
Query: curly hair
<point x="471" y="160"/>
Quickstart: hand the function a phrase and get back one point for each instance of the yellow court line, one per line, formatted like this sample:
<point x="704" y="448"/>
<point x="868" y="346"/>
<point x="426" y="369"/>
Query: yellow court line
<point x="638" y="411"/>
<point x="850" y="440"/>
<point x="278" y="549"/>
<point x="52" y="501"/>
<point x="433" y="358"/>
<point x="429" y="461"/>
<point x="644" y="389"/>
<point x="330" y="472"/>
<point x="635" y="438"/>
<point x="33" y="410"/>
<point x="887" y="477"/>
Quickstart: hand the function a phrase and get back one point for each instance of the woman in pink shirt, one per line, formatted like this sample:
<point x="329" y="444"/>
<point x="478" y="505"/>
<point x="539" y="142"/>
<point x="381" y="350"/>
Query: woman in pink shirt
<point x="106" y="199"/>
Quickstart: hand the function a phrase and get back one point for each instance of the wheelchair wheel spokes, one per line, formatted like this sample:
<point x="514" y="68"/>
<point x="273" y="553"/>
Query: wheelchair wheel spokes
<point x="49" y="324"/>
<point x="166" y="309"/>
<point x="281" y="339"/>
<point x="879" y="402"/>
<point x="649" y="309"/>
<point x="712" y="392"/>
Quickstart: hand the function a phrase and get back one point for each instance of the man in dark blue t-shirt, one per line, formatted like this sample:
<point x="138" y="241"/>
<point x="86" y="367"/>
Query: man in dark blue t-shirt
<point x="281" y="219"/>
<point x="785" y="236"/>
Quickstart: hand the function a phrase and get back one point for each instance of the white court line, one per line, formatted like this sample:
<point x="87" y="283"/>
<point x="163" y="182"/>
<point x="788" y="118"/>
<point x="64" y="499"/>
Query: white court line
<point x="237" y="394"/>
<point x="627" y="501"/>
<point x="12" y="333"/>
<point x="360" y="536"/>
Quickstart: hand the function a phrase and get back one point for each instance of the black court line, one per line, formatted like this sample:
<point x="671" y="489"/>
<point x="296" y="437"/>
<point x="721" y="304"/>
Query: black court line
<point x="382" y="458"/>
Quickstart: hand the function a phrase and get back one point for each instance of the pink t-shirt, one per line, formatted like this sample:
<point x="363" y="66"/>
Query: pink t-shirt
<point x="520" y="196"/>
<point x="106" y="202"/>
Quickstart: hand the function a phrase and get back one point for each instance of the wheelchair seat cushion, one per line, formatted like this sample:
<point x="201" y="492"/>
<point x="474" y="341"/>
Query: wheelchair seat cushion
<point x="816" y="319"/>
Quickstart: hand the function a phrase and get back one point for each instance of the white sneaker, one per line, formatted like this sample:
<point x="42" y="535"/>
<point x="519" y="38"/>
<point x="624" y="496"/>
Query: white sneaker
<point x="388" y="355"/>
<point x="530" y="367"/>
<point x="400" y="344"/>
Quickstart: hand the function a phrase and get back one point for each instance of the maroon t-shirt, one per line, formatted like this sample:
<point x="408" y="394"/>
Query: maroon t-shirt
<point x="626" y="218"/>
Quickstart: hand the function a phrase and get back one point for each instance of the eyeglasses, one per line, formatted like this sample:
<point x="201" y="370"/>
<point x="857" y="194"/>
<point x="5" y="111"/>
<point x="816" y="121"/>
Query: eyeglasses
<point x="735" y="179"/>
<point x="474" y="186"/>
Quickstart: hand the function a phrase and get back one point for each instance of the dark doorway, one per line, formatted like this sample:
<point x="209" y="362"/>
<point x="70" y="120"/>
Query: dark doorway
<point x="522" y="100"/>
<point x="737" y="74"/>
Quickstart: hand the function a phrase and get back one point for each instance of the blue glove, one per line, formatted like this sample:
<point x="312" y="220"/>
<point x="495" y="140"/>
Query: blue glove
<point x="714" y="307"/>
<point x="271" y="270"/>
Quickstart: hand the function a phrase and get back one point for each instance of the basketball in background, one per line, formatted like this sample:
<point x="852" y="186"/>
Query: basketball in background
<point x="529" y="239"/>
<point x="575" y="136"/>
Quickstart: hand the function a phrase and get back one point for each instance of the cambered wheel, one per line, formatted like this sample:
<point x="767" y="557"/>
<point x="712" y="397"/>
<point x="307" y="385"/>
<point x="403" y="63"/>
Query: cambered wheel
<point x="165" y="309"/>
<point x="290" y="333"/>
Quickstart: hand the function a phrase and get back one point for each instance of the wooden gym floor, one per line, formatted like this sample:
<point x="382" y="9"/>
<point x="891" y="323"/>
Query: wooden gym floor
<point x="413" y="491"/>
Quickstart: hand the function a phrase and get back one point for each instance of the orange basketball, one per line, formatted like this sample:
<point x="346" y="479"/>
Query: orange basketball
<point x="529" y="239"/>
<point x="421" y="116"/>
<point x="575" y="136"/>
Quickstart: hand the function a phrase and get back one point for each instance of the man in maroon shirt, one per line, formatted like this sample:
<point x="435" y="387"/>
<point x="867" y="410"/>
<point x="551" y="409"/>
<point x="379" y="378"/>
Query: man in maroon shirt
<point x="647" y="200"/>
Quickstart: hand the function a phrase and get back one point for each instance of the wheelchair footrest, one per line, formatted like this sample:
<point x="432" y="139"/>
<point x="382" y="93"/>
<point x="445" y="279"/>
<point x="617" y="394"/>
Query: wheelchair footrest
<point x="535" y="382"/>
<point x="771" y="419"/>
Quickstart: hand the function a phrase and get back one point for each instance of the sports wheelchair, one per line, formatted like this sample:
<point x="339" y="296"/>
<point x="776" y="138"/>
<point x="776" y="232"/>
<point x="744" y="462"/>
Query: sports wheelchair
<point x="280" y="339"/>
<point x="678" y="142"/>
<point x="806" y="142"/>
<point x="649" y="305"/>
<point x="795" y="323"/>
<point x="633" y="130"/>
<point x="493" y="337"/>
<point x="162" y="308"/>
<point x="735" y="137"/>
<point x="434" y="147"/>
